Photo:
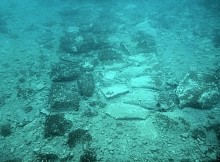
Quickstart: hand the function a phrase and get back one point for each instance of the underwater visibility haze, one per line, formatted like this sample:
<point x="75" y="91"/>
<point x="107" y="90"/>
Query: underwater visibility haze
<point x="109" y="81"/>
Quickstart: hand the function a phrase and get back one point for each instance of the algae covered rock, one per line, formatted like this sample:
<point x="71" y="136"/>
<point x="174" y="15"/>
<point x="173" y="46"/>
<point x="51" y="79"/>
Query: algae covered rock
<point x="198" y="90"/>
<point x="86" y="85"/>
<point x="64" y="97"/>
<point x="63" y="72"/>
<point x="56" y="125"/>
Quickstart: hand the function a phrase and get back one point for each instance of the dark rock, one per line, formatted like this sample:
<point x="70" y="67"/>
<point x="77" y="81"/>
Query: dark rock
<point x="46" y="157"/>
<point x="3" y="26"/>
<point x="198" y="133"/>
<point x="68" y="44"/>
<point x="63" y="72"/>
<point x="24" y="93"/>
<point x="72" y="43"/>
<point x="14" y="160"/>
<point x="89" y="155"/>
<point x="5" y="130"/>
<point x="56" y="125"/>
<point x="86" y="85"/>
<point x="78" y="136"/>
<point x="108" y="54"/>
<point x="89" y="112"/>
<point x="64" y="97"/>
<point x="216" y="39"/>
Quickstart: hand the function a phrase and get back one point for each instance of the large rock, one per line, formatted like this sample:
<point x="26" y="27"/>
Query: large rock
<point x="198" y="90"/>
<point x="64" y="97"/>
<point x="86" y="85"/>
<point x="122" y="111"/>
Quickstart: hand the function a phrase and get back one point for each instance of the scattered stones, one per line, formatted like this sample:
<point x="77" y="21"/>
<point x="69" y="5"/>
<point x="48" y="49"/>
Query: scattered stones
<point x="63" y="72"/>
<point x="86" y="85"/>
<point x="64" y="97"/>
<point x="115" y="90"/>
<point x="56" y="125"/>
<point x="198" y="90"/>
<point x="121" y="111"/>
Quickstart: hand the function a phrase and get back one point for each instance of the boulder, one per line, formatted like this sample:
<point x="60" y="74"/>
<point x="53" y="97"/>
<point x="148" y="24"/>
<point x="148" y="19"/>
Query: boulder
<point x="198" y="90"/>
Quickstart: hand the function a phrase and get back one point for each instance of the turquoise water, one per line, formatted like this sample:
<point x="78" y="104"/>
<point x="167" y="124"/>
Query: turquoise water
<point x="109" y="81"/>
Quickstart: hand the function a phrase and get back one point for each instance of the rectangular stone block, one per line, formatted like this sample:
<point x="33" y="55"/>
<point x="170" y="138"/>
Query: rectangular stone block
<point x="64" y="96"/>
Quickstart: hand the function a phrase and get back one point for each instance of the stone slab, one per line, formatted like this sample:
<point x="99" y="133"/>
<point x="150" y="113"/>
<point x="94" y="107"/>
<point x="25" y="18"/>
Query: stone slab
<point x="115" y="90"/>
<point x="145" y="98"/>
<point x="143" y="82"/>
<point x="122" y="111"/>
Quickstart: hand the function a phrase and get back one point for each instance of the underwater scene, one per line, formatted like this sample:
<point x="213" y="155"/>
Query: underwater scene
<point x="109" y="80"/>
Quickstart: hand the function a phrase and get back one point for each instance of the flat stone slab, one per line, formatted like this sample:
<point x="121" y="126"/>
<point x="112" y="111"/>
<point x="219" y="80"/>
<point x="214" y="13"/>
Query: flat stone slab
<point x="114" y="90"/>
<point x="143" y="82"/>
<point x="122" y="111"/>
<point x="145" y="98"/>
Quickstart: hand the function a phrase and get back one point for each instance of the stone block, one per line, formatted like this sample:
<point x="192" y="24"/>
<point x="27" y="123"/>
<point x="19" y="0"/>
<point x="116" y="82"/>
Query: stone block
<point x="64" y="97"/>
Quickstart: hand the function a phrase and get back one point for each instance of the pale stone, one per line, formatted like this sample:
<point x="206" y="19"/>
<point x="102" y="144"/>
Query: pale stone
<point x="114" y="91"/>
<point x="126" y="111"/>
<point x="145" y="98"/>
<point x="143" y="82"/>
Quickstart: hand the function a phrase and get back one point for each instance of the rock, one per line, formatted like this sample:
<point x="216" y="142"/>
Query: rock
<point x="114" y="91"/>
<point x="132" y="71"/>
<point x="56" y="125"/>
<point x="74" y="43"/>
<point x="78" y="136"/>
<point x="122" y="111"/>
<point x="108" y="54"/>
<point x="86" y="85"/>
<point x="63" y="72"/>
<point x="64" y="97"/>
<point x="198" y="90"/>
<point x="209" y="98"/>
